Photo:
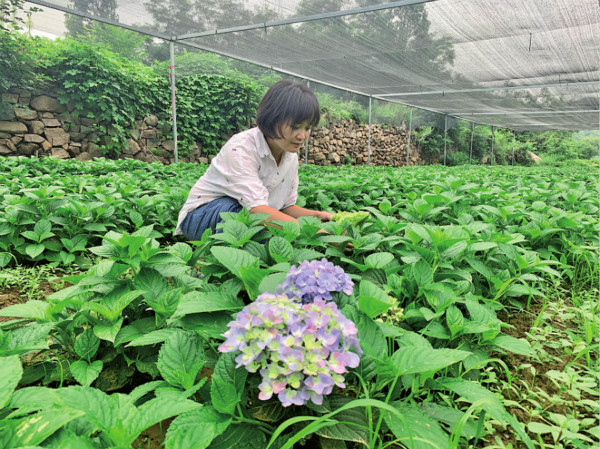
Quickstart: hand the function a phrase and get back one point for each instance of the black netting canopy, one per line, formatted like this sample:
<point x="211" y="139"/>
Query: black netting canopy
<point x="524" y="65"/>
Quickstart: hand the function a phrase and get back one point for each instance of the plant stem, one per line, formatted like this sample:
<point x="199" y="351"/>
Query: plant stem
<point x="380" y="418"/>
<point x="263" y="426"/>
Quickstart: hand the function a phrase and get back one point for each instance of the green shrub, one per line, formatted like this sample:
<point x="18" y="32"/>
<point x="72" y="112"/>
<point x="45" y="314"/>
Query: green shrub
<point x="562" y="145"/>
<point x="457" y="158"/>
<point x="107" y="88"/>
<point x="431" y="141"/>
<point x="554" y="160"/>
<point x="390" y="113"/>
<point x="192" y="63"/>
<point x="18" y="61"/>
<point x="585" y="147"/>
<point x="212" y="108"/>
<point x="333" y="110"/>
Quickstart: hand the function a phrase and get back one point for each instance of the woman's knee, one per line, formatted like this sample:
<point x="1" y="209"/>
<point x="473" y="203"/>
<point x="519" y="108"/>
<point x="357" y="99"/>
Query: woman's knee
<point x="207" y="216"/>
<point x="229" y="204"/>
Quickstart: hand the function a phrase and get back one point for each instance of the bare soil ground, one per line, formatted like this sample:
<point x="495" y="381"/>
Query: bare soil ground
<point x="14" y="295"/>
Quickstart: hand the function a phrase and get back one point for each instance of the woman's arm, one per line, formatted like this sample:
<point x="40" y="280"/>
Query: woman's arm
<point x="293" y="212"/>
<point x="297" y="211"/>
<point x="275" y="215"/>
<point x="290" y="214"/>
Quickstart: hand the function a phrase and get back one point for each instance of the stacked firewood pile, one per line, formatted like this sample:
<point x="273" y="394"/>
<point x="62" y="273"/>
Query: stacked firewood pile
<point x="347" y="142"/>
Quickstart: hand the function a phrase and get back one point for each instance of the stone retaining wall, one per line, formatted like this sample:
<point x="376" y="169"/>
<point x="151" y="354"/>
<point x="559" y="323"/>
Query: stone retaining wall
<point x="39" y="125"/>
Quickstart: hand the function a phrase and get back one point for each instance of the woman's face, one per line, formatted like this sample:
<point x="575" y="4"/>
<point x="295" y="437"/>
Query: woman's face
<point x="292" y="139"/>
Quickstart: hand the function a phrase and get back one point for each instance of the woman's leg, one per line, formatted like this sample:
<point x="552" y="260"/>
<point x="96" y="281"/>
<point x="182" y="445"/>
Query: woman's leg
<point x="207" y="216"/>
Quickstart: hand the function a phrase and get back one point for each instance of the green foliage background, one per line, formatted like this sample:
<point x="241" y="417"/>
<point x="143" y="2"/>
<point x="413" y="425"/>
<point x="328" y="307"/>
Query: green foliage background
<point x="113" y="91"/>
<point x="105" y="75"/>
<point x="554" y="147"/>
<point x="17" y="60"/>
<point x="212" y="108"/>
<point x="103" y="86"/>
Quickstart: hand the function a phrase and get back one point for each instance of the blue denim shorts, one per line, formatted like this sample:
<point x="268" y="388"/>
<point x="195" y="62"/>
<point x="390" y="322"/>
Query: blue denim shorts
<point x="207" y="216"/>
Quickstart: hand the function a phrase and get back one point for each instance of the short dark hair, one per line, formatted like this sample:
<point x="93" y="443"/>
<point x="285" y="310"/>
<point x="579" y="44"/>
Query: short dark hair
<point x="286" y="101"/>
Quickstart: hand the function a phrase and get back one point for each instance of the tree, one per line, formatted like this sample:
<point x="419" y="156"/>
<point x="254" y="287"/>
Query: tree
<point x="17" y="58"/>
<point x="9" y="14"/>
<point x="404" y="35"/>
<point x="127" y="43"/>
<point x="178" y="17"/>
<point x="311" y="7"/>
<point x="371" y="40"/>
<point x="80" y="26"/>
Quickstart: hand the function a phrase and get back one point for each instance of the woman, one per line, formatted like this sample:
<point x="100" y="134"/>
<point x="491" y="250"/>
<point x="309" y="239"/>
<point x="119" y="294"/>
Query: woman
<point x="257" y="168"/>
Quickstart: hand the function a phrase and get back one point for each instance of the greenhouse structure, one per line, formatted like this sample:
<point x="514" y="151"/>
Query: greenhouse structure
<point x="519" y="65"/>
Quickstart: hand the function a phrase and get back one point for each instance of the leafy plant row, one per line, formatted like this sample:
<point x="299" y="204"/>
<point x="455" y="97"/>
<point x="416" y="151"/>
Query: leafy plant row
<point x="551" y="211"/>
<point x="55" y="210"/>
<point x="144" y="318"/>
<point x="136" y="338"/>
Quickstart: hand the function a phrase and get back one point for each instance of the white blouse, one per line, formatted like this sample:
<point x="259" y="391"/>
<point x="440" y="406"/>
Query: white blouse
<point x="245" y="170"/>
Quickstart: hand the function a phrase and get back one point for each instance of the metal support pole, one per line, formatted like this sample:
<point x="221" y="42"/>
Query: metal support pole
<point x="173" y="103"/>
<point x="513" y="150"/>
<point x="493" y="137"/>
<point x="306" y="141"/>
<point x="445" y="135"/>
<point x="471" y="149"/>
<point x="306" y="152"/>
<point x="409" y="135"/>
<point x="369" y="139"/>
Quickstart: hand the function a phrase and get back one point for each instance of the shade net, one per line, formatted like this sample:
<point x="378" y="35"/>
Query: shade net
<point x="530" y="65"/>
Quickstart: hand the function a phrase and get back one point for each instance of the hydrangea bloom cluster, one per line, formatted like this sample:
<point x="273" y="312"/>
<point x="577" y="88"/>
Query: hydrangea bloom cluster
<point x="315" y="280"/>
<point x="300" y="350"/>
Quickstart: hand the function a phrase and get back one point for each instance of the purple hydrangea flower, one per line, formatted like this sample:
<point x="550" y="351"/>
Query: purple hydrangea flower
<point x="300" y="350"/>
<point x="315" y="279"/>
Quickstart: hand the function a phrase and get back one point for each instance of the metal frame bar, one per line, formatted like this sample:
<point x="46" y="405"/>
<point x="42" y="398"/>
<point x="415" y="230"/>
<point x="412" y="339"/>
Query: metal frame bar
<point x="471" y="146"/>
<point x="493" y="138"/>
<point x="173" y="101"/>
<point x="409" y="136"/>
<point x="485" y="89"/>
<point x="329" y="15"/>
<point x="445" y="136"/>
<point x="585" y="111"/>
<point x="369" y="133"/>
<point x="100" y="19"/>
<point x="306" y="141"/>
<point x="513" y="149"/>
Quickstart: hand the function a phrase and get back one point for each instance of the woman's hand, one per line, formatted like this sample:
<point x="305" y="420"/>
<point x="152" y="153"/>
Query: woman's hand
<point x="323" y="216"/>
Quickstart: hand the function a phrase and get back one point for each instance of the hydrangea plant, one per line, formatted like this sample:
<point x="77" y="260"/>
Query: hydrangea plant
<point x="315" y="280"/>
<point x="300" y="350"/>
